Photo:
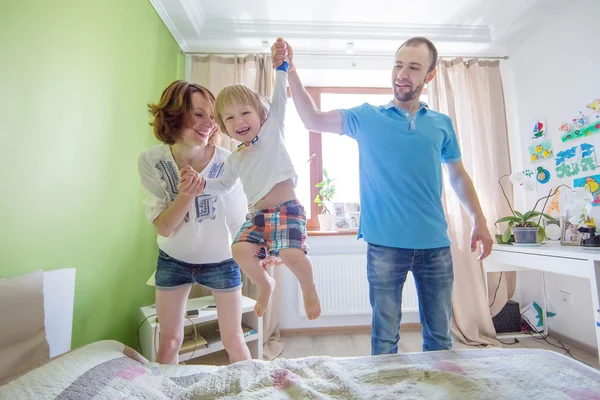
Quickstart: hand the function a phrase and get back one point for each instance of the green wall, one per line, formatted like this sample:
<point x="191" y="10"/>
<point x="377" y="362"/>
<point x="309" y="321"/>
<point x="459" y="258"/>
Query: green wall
<point x="75" y="80"/>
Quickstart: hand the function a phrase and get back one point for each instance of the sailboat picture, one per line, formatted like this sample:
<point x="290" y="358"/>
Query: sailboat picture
<point x="538" y="130"/>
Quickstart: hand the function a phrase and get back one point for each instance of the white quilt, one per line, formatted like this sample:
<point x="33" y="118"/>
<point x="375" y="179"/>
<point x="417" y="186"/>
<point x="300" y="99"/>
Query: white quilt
<point x="101" y="371"/>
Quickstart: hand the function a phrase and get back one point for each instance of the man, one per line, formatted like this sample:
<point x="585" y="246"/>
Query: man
<point x="402" y="146"/>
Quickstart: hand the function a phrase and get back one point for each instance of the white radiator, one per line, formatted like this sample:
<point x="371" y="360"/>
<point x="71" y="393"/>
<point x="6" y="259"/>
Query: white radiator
<point x="341" y="281"/>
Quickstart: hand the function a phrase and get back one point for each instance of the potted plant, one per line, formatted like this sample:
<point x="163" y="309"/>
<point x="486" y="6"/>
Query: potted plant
<point x="525" y="227"/>
<point x="324" y="197"/>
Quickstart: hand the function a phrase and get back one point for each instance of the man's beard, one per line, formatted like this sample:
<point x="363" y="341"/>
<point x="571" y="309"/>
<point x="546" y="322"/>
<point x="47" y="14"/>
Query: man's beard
<point x="402" y="96"/>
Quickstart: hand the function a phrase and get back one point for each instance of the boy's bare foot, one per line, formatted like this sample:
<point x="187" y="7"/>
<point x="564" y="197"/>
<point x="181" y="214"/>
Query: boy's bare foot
<point x="264" y="297"/>
<point x="312" y="305"/>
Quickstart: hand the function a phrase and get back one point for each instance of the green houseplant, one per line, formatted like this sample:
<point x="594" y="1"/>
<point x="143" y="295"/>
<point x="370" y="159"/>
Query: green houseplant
<point x="323" y="198"/>
<point x="525" y="227"/>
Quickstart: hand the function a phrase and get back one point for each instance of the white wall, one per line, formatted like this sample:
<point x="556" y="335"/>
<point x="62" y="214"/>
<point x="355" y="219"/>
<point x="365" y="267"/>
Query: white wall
<point x="554" y="74"/>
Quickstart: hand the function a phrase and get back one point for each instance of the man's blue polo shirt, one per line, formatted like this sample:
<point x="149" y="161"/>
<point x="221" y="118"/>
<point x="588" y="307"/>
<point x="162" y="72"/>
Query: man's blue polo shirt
<point x="400" y="157"/>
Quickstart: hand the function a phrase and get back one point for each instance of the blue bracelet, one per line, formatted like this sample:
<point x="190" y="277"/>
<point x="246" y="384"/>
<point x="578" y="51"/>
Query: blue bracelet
<point x="283" y="67"/>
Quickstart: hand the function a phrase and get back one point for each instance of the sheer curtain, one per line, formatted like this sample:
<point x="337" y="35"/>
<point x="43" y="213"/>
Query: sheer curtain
<point x="471" y="93"/>
<point x="255" y="71"/>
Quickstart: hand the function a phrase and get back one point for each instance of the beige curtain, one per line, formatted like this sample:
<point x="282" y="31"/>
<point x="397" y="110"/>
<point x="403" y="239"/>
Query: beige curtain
<point x="254" y="71"/>
<point x="471" y="94"/>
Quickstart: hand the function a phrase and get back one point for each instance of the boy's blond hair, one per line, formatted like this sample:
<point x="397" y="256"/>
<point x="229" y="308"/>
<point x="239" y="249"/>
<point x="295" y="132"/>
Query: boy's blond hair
<point x="240" y="94"/>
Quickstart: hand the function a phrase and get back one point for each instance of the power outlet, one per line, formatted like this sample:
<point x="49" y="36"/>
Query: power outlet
<point x="565" y="297"/>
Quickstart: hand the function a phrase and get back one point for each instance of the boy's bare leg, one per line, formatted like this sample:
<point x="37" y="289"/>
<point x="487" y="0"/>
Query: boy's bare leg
<point x="300" y="265"/>
<point x="244" y="254"/>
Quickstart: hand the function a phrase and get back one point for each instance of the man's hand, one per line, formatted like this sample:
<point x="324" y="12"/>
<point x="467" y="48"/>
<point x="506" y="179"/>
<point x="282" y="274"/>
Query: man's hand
<point x="281" y="51"/>
<point x="465" y="191"/>
<point x="481" y="233"/>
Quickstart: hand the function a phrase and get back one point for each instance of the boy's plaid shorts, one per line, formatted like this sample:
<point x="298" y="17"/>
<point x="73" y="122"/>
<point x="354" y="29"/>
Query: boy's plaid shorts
<point x="277" y="228"/>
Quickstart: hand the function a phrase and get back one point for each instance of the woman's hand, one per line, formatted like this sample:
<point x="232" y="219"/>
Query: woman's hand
<point x="191" y="184"/>
<point x="271" y="261"/>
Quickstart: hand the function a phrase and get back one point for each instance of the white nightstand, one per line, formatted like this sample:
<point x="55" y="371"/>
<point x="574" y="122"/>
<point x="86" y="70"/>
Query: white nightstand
<point x="206" y="325"/>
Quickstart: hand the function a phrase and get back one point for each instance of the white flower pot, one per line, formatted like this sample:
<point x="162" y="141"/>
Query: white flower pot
<point x="325" y="222"/>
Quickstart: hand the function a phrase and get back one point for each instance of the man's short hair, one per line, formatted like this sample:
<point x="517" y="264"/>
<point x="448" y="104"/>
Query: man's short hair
<point x="419" y="40"/>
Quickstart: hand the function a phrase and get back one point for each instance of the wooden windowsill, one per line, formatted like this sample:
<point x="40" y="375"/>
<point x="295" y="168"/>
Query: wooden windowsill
<point x="346" y="232"/>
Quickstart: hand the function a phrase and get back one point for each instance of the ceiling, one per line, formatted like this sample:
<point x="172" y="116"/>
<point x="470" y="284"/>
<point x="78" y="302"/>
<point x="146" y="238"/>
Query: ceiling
<point x="360" y="27"/>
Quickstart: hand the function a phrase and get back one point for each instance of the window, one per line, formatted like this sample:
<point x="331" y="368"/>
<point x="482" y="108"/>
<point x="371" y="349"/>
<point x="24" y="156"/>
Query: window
<point x="311" y="152"/>
<point x="297" y="141"/>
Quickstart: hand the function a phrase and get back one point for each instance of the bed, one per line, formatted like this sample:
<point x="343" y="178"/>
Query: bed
<point x="109" y="370"/>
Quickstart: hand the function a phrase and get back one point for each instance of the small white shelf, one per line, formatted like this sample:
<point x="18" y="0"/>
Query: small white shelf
<point x="204" y="314"/>
<point x="206" y="319"/>
<point x="214" y="345"/>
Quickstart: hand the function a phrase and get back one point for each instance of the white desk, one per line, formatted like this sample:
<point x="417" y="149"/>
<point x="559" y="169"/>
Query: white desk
<point x="550" y="257"/>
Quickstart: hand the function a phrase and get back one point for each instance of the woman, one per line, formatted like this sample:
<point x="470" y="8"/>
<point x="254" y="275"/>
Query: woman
<point x="194" y="232"/>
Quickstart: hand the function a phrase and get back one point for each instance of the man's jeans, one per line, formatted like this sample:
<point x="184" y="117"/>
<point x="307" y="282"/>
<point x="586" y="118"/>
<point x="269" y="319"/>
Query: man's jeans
<point x="432" y="269"/>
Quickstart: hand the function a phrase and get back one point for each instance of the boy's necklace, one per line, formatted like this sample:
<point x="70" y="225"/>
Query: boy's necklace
<point x="242" y="145"/>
